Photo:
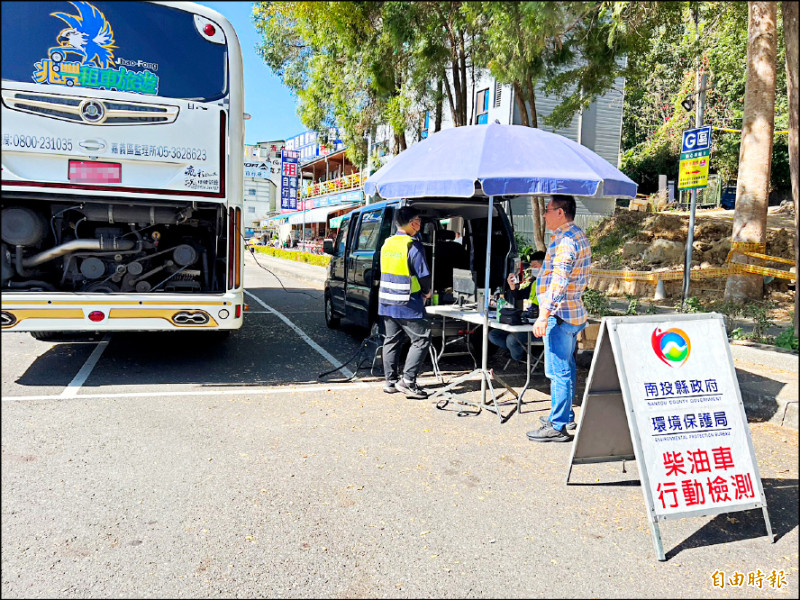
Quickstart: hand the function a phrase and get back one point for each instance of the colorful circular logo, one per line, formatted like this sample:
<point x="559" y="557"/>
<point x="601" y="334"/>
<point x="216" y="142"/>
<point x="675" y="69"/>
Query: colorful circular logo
<point x="672" y="346"/>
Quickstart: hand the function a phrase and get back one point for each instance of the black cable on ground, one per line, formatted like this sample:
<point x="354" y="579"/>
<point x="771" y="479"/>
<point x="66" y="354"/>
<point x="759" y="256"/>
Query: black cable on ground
<point x="253" y="254"/>
<point x="360" y="355"/>
<point x="372" y="339"/>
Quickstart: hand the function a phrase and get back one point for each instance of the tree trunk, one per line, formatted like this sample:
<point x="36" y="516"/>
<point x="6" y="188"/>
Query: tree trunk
<point x="537" y="211"/>
<point x="519" y="98"/>
<point x="457" y="85"/>
<point x="532" y="99"/>
<point x="755" y="155"/>
<point x="790" y="35"/>
<point x="437" y="121"/>
<point x="462" y="57"/>
<point x="450" y="94"/>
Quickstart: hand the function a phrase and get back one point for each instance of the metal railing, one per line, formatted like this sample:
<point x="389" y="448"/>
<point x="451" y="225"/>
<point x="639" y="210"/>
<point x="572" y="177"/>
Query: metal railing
<point x="348" y="182"/>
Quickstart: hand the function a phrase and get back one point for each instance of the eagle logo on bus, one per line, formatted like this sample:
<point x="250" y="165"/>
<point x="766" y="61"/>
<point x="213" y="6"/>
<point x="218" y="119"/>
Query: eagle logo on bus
<point x="672" y="346"/>
<point x="88" y="36"/>
<point x="84" y="56"/>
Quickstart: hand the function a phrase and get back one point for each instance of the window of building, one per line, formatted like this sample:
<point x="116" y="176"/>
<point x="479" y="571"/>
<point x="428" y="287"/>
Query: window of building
<point x="251" y="209"/>
<point x="482" y="107"/>
<point x="251" y="191"/>
<point x="498" y="93"/>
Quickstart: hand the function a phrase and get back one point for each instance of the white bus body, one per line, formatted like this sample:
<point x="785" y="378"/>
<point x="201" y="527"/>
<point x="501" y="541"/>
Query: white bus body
<point x="122" y="153"/>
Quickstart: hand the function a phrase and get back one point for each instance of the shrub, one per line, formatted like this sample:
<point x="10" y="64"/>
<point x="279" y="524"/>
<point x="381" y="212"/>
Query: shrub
<point x="596" y="302"/>
<point x="320" y="260"/>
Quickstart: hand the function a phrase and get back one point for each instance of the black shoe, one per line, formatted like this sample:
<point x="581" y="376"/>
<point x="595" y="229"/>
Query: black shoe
<point x="571" y="426"/>
<point x="390" y="387"/>
<point x="411" y="390"/>
<point x="548" y="433"/>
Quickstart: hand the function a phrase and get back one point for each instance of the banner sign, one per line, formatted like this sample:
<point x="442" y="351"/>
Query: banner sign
<point x="290" y="173"/>
<point x="678" y="410"/>
<point x="695" y="158"/>
<point x="258" y="170"/>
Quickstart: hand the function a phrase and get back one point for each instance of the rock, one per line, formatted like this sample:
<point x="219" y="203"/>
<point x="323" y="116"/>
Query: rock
<point x="633" y="249"/>
<point x="663" y="251"/>
<point x="719" y="251"/>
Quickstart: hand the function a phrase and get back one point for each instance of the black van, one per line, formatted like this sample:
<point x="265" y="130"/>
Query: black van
<point x="351" y="288"/>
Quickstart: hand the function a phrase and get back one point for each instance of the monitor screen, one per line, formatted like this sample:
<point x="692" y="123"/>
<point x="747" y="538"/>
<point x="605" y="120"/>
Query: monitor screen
<point x="464" y="286"/>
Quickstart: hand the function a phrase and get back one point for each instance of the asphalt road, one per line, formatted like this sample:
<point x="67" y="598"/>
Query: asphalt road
<point x="150" y="465"/>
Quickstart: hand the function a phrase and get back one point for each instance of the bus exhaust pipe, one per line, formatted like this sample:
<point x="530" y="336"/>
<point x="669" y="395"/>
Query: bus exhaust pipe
<point x="52" y="253"/>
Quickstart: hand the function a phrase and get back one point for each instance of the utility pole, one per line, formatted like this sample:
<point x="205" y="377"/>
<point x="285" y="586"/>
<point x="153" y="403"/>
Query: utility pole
<point x="698" y="122"/>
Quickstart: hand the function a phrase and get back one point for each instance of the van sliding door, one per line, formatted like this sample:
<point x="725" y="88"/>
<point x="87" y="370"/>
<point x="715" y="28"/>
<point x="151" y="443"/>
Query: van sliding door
<point x="363" y="265"/>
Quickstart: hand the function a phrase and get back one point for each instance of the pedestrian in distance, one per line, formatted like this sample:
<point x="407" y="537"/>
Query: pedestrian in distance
<point x="562" y="315"/>
<point x="517" y="343"/>
<point x="404" y="287"/>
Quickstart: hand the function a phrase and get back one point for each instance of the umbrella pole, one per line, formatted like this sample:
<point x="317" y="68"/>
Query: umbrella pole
<point x="485" y="344"/>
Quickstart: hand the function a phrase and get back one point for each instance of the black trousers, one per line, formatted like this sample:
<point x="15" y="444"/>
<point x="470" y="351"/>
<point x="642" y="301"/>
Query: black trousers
<point x="419" y="332"/>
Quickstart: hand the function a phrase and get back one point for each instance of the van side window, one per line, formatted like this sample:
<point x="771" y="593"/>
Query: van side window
<point x="341" y="239"/>
<point x="369" y="231"/>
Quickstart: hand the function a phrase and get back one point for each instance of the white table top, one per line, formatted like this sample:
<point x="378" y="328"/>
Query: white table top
<point x="453" y="311"/>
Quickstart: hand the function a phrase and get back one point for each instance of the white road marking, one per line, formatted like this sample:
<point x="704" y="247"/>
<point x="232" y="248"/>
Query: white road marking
<point x="74" y="386"/>
<point x="243" y="391"/>
<point x="327" y="355"/>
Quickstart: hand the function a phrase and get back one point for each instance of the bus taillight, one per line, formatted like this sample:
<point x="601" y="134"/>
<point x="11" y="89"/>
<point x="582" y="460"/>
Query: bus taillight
<point x="234" y="248"/>
<point x="238" y="245"/>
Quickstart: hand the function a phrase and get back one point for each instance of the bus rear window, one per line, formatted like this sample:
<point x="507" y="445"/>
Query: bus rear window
<point x="134" y="47"/>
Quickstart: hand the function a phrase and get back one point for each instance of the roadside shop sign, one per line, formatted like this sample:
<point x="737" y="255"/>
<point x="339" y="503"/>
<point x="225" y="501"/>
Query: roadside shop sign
<point x="695" y="158"/>
<point x="663" y="390"/>
<point x="290" y="173"/>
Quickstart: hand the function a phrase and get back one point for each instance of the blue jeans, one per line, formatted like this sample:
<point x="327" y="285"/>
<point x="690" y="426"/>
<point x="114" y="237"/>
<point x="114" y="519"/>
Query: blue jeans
<point x="560" y="341"/>
<point x="515" y="342"/>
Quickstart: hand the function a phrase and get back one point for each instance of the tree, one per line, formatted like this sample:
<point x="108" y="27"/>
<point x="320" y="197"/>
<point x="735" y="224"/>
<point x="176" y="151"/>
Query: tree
<point x="752" y="190"/>
<point x="790" y="35"/>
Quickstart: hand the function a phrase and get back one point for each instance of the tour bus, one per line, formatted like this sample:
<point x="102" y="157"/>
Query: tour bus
<point x="122" y="153"/>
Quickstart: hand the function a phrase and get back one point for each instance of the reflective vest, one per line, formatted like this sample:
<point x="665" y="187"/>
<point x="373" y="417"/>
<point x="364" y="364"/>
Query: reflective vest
<point x="397" y="282"/>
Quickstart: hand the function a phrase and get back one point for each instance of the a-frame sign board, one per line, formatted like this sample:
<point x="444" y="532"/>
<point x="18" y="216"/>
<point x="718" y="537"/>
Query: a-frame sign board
<point x="663" y="390"/>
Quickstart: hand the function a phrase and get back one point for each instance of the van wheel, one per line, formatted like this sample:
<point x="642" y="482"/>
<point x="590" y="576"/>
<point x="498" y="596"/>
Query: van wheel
<point x="331" y="320"/>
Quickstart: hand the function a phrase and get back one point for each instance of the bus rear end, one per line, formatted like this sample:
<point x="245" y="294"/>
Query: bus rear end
<point x="122" y="142"/>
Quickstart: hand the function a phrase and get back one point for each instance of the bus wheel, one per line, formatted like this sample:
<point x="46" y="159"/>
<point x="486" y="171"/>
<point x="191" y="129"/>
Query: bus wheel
<point x="46" y="336"/>
<point x="331" y="320"/>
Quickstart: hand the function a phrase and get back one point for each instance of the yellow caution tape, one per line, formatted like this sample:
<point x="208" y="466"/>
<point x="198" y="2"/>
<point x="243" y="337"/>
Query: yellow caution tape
<point x="740" y="131"/>
<point x="750" y="249"/>
<point x="740" y="268"/>
<point x="749" y="246"/>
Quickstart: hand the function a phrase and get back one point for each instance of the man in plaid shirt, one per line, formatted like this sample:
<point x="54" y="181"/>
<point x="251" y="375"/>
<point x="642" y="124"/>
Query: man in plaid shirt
<point x="562" y="315"/>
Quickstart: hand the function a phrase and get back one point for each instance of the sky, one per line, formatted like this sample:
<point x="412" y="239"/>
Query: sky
<point x="273" y="108"/>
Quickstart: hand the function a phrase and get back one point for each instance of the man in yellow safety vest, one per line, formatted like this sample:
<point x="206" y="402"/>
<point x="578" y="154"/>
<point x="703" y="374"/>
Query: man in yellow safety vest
<point x="405" y="285"/>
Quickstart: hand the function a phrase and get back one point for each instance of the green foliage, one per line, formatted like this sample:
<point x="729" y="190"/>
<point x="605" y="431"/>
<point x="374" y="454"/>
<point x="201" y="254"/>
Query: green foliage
<point x="757" y="311"/>
<point x="524" y="248"/>
<point x="608" y="242"/>
<point x="320" y="260"/>
<point x="787" y="339"/>
<point x="633" y="304"/>
<point x="662" y="73"/>
<point x="692" y="305"/>
<point x="596" y="302"/>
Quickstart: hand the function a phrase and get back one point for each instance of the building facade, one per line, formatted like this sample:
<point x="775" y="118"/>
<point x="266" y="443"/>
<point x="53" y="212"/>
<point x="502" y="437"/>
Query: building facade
<point x="262" y="163"/>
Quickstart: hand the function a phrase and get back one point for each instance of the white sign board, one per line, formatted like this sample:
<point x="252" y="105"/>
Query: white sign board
<point x="686" y="423"/>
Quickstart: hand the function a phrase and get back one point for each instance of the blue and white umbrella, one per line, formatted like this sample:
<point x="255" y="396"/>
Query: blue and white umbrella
<point x="498" y="160"/>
